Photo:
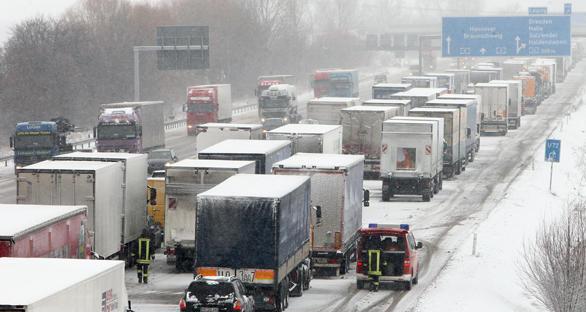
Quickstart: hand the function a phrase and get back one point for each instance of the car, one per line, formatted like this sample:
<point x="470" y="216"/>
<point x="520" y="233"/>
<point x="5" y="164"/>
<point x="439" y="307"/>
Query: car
<point x="387" y="253"/>
<point x="215" y="294"/>
<point x="160" y="157"/>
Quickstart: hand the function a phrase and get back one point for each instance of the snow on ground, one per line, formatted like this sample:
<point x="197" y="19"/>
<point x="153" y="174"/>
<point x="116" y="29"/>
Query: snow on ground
<point x="491" y="280"/>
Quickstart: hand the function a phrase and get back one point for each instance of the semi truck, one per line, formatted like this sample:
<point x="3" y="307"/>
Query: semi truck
<point x="444" y="80"/>
<point x="336" y="186"/>
<point x="515" y="109"/>
<point x="278" y="106"/>
<point x="403" y="105"/>
<point x="335" y="83"/>
<point x="43" y="231"/>
<point x="213" y="133"/>
<point x="65" y="285"/>
<point x="477" y="99"/>
<point x="133" y="127"/>
<point x="461" y="80"/>
<point x="307" y="138"/>
<point x="35" y="141"/>
<point x="184" y="180"/>
<point x="381" y="91"/>
<point x="97" y="185"/>
<point x="326" y="110"/>
<point x="455" y="159"/>
<point x="420" y="81"/>
<point x="134" y="189"/>
<point x="482" y="76"/>
<point x="362" y="126"/>
<point x="419" y="96"/>
<point x="264" y="82"/>
<point x="207" y="103"/>
<point x="412" y="157"/>
<point x="513" y="68"/>
<point x="495" y="107"/>
<point x="266" y="240"/>
<point x="263" y="152"/>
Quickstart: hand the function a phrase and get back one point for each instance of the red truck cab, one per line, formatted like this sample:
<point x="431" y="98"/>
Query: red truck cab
<point x="207" y="103"/>
<point x="387" y="254"/>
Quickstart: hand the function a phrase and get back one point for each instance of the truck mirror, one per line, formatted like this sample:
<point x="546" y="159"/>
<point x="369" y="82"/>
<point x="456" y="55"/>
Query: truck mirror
<point x="366" y="197"/>
<point x="419" y="245"/>
<point x="11" y="142"/>
<point x="152" y="200"/>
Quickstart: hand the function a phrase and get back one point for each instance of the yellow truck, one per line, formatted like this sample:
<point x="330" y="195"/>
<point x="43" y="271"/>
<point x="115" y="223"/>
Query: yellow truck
<point x="156" y="212"/>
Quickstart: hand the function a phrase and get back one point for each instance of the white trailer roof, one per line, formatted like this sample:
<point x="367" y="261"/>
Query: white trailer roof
<point x="29" y="280"/>
<point x="452" y="101"/>
<point x="417" y="77"/>
<point x="18" y="220"/>
<point x="97" y="155"/>
<point x="229" y="125"/>
<point x="392" y="85"/>
<point x="434" y="109"/>
<point x="246" y="147"/>
<point x="365" y="108"/>
<point x="320" y="161"/>
<point x="68" y="165"/>
<point x="305" y="129"/>
<point x="210" y="164"/>
<point x="387" y="101"/>
<point x="330" y="99"/>
<point x="459" y="96"/>
<point x="256" y="185"/>
<point x="420" y="92"/>
<point x="438" y="74"/>
<point x="409" y="120"/>
<point x="492" y="85"/>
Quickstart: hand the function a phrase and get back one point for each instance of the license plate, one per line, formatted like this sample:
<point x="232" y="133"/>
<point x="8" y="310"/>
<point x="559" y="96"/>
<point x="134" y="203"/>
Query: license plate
<point x="225" y="272"/>
<point x="246" y="276"/>
<point x="204" y="309"/>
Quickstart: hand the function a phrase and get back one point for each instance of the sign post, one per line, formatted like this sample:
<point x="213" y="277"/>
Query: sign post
<point x="552" y="154"/>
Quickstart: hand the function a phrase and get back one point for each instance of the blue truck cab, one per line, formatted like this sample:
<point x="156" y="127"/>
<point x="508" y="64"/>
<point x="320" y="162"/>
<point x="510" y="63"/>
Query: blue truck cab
<point x="35" y="141"/>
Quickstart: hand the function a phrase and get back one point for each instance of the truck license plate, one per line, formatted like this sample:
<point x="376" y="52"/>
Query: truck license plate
<point x="204" y="309"/>
<point x="225" y="272"/>
<point x="246" y="276"/>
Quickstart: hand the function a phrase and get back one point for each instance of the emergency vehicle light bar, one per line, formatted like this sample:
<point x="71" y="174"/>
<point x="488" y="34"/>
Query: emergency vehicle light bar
<point x="388" y="226"/>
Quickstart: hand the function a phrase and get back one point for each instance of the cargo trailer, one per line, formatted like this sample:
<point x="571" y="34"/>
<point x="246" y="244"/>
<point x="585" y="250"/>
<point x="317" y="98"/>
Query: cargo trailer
<point x="403" y="105"/>
<point x="213" y="133"/>
<point x="308" y="138"/>
<point x="495" y="107"/>
<point x="326" y="110"/>
<point x="478" y="100"/>
<point x="515" y="109"/>
<point x="419" y="96"/>
<point x="381" y="91"/>
<point x="420" y="81"/>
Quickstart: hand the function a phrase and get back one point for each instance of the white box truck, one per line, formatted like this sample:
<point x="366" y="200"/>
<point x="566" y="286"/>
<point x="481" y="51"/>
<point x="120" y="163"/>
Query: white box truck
<point x="478" y="100"/>
<point x="336" y="187"/>
<point x="461" y="80"/>
<point x="308" y="138"/>
<point x="419" y="96"/>
<point x="495" y="107"/>
<point x="326" y="110"/>
<point x="420" y="81"/>
<point x="515" y="109"/>
<point x="213" y="133"/>
<point x="444" y="80"/>
<point x="381" y="91"/>
<point x="62" y="285"/>
<point x="97" y="185"/>
<point x="411" y="162"/>
<point x="362" y="127"/>
<point x="403" y="105"/>
<point x="184" y="180"/>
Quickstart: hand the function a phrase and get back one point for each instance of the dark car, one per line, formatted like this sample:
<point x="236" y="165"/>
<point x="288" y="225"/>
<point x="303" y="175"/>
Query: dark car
<point x="216" y="294"/>
<point x="160" y="157"/>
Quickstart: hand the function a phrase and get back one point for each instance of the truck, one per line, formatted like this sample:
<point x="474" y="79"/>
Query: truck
<point x="550" y="67"/>
<point x="307" y="138"/>
<point x="482" y="76"/>
<point x="133" y="127"/>
<point x="444" y="80"/>
<point x="495" y="107"/>
<point x="515" y="102"/>
<point x="43" y="231"/>
<point x="420" y="81"/>
<point x="478" y="100"/>
<point x="461" y="80"/>
<point x="403" y="105"/>
<point x="469" y="123"/>
<point x="185" y="179"/>
<point x="207" y="103"/>
<point x="97" y="185"/>
<point x="278" y="106"/>
<point x="156" y="210"/>
<point x="134" y="189"/>
<point x="266" y="240"/>
<point x="336" y="187"/>
<point x="530" y="93"/>
<point x="265" y="81"/>
<point x="381" y="91"/>
<point x="455" y="159"/>
<point x="513" y="68"/>
<point x="326" y="110"/>
<point x="335" y="83"/>
<point x="362" y="126"/>
<point x="35" y="141"/>
<point x="65" y="285"/>
<point x="213" y="133"/>
<point x="419" y="96"/>
<point x="263" y="152"/>
<point x="411" y="157"/>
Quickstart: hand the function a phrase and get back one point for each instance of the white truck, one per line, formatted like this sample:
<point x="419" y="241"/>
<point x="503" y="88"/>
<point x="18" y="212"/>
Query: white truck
<point x="362" y="126"/>
<point x="515" y="109"/>
<point x="381" y="91"/>
<point x="454" y="137"/>
<point x="420" y="81"/>
<point x="263" y="152"/>
<point x="97" y="185"/>
<point x="336" y="187"/>
<point x="308" y="138"/>
<point x="411" y="159"/>
<point x="134" y="190"/>
<point x="213" y="133"/>
<point x="419" y="96"/>
<point x="326" y="110"/>
<point x="512" y="68"/>
<point x="403" y="105"/>
<point x="278" y="106"/>
<point x="461" y="80"/>
<point x="64" y="285"/>
<point x="494" y="108"/>
<point x="184" y="180"/>
<point x="478" y="100"/>
<point x="444" y="80"/>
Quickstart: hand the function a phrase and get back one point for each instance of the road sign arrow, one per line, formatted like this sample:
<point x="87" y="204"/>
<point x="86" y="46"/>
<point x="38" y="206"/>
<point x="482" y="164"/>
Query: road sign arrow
<point x="520" y="46"/>
<point x="449" y="41"/>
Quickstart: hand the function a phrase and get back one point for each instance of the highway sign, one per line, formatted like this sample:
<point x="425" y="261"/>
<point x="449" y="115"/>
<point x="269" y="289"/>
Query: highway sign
<point x="537" y="10"/>
<point x="552" y="150"/>
<point x="197" y="37"/>
<point x="534" y="35"/>
<point x="567" y="8"/>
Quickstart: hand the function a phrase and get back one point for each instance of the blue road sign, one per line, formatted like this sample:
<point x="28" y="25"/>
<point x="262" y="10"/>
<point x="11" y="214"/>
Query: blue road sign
<point x="567" y="8"/>
<point x="534" y="35"/>
<point x="552" y="150"/>
<point x="537" y="10"/>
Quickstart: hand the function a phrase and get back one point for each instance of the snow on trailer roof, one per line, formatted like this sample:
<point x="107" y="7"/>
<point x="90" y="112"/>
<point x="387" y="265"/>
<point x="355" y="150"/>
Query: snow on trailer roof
<point x="417" y="77"/>
<point x="320" y="161"/>
<point x="98" y="155"/>
<point x="387" y="101"/>
<point x="331" y="99"/>
<point x="19" y="220"/>
<point x="452" y="101"/>
<point x="256" y="186"/>
<point x="459" y="96"/>
<point x="369" y="108"/>
<point x="392" y="85"/>
<point x="210" y="164"/>
<point x="229" y="125"/>
<point x="434" y="109"/>
<point x="34" y="279"/>
<point x="411" y="120"/>
<point x="130" y="104"/>
<point x="420" y="92"/>
<point x="305" y="129"/>
<point x="67" y="165"/>
<point x="487" y="84"/>
<point x="246" y="147"/>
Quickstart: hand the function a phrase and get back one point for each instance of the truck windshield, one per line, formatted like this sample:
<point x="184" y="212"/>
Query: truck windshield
<point x="275" y="103"/>
<point x="341" y="88"/>
<point x="206" y="107"/>
<point x="33" y="141"/>
<point x="206" y="290"/>
<point x="121" y="131"/>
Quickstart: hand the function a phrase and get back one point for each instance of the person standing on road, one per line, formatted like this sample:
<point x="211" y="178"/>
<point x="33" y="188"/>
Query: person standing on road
<point x="145" y="255"/>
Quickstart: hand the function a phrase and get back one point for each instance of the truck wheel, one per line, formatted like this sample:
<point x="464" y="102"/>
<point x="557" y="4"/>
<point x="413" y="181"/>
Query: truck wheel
<point x="426" y="197"/>
<point x="359" y="284"/>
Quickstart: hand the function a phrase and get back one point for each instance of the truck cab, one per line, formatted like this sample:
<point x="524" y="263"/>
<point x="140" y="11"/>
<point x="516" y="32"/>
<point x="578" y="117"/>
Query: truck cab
<point x="35" y="141"/>
<point x="207" y="103"/>
<point x="119" y="130"/>
<point x="335" y="83"/>
<point x="278" y="106"/>
<point x="387" y="254"/>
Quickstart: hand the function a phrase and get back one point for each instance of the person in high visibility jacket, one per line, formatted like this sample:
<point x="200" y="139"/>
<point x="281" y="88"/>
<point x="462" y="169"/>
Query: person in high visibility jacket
<point x="145" y="256"/>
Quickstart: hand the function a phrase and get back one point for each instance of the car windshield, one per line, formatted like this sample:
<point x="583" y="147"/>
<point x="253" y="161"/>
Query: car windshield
<point x="33" y="141"/>
<point x="160" y="155"/>
<point x="121" y="131"/>
<point x="206" y="291"/>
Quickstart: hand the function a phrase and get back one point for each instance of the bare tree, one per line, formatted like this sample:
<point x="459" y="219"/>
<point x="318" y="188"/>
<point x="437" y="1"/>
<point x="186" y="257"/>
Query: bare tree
<point x="554" y="266"/>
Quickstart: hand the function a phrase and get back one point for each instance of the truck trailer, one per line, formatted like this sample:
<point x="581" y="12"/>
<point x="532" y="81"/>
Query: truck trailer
<point x="420" y="81"/>
<point x="419" y="96"/>
<point x="461" y="80"/>
<point x="444" y="80"/>
<point x="403" y="105"/>
<point x="495" y="107"/>
<point x="478" y="103"/>
<point x="265" y="241"/>
<point x="213" y="133"/>
<point x="381" y="91"/>
<point x="207" y="103"/>
<point x="326" y="110"/>
<point x="308" y="138"/>
<point x="336" y="186"/>
<point x="515" y="109"/>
